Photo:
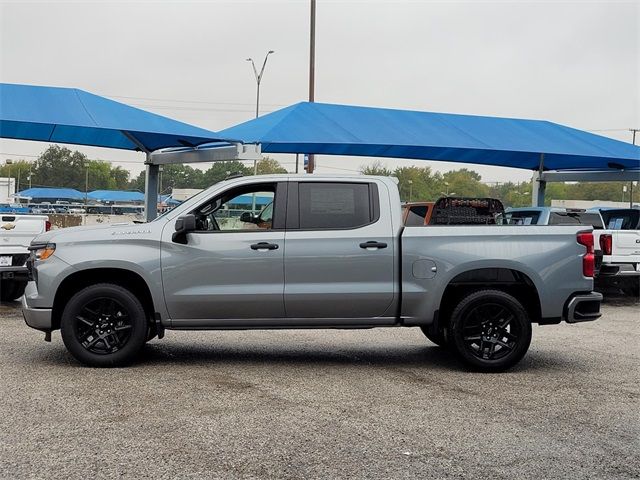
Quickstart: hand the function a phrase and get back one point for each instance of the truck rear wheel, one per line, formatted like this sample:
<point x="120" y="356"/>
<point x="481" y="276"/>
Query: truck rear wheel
<point x="104" y="325"/>
<point x="490" y="330"/>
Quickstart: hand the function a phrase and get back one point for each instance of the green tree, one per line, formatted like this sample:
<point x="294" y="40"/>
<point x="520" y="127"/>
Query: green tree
<point x="269" y="165"/>
<point x="418" y="183"/>
<point x="19" y="170"/>
<point x="221" y="170"/>
<point x="464" y="183"/>
<point x="102" y="176"/>
<point x="60" y="167"/>
<point x="376" y="168"/>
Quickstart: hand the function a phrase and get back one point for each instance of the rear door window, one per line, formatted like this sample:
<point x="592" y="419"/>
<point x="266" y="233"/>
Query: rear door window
<point x="334" y="205"/>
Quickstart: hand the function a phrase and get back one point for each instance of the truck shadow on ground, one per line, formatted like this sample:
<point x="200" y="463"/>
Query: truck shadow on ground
<point x="428" y="356"/>
<point x="163" y="355"/>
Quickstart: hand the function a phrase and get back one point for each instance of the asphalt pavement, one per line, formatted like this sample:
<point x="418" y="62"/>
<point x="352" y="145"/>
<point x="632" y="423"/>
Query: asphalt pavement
<point x="381" y="403"/>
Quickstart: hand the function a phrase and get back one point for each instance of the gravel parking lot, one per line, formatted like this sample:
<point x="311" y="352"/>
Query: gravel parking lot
<point x="379" y="403"/>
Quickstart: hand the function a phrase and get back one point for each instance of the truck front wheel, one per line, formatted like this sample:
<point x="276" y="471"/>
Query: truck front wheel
<point x="104" y="325"/>
<point x="490" y="330"/>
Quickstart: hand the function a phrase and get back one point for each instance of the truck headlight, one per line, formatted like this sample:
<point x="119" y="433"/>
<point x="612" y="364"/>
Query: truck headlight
<point x="42" y="251"/>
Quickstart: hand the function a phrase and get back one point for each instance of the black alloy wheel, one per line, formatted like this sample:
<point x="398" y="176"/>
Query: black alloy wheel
<point x="104" y="325"/>
<point x="490" y="330"/>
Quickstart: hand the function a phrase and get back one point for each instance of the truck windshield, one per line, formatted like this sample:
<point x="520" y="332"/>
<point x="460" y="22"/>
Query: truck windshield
<point x="576" y="218"/>
<point x="522" y="218"/>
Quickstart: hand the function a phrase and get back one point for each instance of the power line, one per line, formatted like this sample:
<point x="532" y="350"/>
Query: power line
<point x="608" y="130"/>
<point x="177" y="108"/>
<point x="195" y="101"/>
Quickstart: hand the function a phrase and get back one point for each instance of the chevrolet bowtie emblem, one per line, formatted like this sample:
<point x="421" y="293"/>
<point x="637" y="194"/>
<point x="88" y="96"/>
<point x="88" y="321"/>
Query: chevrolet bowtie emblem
<point x="9" y="226"/>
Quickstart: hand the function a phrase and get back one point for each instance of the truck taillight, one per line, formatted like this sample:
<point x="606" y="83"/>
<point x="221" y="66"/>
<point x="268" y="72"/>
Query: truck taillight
<point x="588" y="260"/>
<point x="606" y="242"/>
<point x="47" y="225"/>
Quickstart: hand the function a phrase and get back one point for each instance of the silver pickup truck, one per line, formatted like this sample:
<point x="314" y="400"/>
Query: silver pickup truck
<point x="324" y="252"/>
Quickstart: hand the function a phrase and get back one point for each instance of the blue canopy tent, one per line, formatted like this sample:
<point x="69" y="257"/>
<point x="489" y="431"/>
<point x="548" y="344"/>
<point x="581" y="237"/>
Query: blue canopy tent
<point x="169" y="200"/>
<point x="69" y="115"/>
<point x="329" y="129"/>
<point x="249" y="199"/>
<point x="45" y="194"/>
<point x="113" y="196"/>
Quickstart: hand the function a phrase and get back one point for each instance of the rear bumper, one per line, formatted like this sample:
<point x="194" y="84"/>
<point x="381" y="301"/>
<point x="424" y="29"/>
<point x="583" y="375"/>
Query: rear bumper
<point x="583" y="307"/>
<point x="14" y="273"/>
<point x="618" y="270"/>
<point x="38" y="318"/>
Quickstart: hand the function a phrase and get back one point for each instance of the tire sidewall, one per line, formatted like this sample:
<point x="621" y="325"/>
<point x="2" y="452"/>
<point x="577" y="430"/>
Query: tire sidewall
<point x="455" y="336"/>
<point x="135" y="311"/>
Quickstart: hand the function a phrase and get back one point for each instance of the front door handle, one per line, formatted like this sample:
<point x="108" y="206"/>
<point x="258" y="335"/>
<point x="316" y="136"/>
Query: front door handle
<point x="264" y="246"/>
<point x="373" y="244"/>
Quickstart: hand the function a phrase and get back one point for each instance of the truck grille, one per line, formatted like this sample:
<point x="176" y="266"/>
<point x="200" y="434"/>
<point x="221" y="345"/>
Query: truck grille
<point x="19" y="260"/>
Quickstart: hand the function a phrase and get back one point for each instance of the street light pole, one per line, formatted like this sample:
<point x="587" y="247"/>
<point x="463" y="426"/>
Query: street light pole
<point x="258" y="80"/>
<point x="86" y="186"/>
<point x="312" y="70"/>
<point x="633" y="131"/>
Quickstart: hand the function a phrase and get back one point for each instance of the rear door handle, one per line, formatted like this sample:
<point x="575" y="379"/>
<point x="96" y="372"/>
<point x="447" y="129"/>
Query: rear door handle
<point x="264" y="246"/>
<point x="373" y="244"/>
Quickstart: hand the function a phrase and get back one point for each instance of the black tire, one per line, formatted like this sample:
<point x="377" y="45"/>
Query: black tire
<point x="11" y="290"/>
<point x="490" y="330"/>
<point x="631" y="287"/>
<point x="436" y="336"/>
<point x="104" y="325"/>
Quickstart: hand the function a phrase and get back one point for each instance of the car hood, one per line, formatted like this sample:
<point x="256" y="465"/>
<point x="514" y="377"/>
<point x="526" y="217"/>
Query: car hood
<point x="96" y="232"/>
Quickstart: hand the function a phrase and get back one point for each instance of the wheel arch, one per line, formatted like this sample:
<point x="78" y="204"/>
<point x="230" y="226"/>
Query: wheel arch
<point x="78" y="280"/>
<point x="509" y="280"/>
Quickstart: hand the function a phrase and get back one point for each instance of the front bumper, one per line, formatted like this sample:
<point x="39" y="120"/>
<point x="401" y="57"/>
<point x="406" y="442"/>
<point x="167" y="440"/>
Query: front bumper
<point x="583" y="307"/>
<point x="14" y="273"/>
<point x="38" y="318"/>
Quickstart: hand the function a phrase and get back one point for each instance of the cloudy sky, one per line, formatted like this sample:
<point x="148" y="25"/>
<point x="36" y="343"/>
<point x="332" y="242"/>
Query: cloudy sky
<point x="576" y="63"/>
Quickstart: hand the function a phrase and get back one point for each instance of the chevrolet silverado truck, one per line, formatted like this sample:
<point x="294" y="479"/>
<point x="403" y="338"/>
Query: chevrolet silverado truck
<point x="619" y="244"/>
<point x="327" y="252"/>
<point x="16" y="233"/>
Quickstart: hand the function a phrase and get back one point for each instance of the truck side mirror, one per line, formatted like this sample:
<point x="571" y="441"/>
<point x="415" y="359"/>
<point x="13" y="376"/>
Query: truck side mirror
<point x="247" y="217"/>
<point x="184" y="225"/>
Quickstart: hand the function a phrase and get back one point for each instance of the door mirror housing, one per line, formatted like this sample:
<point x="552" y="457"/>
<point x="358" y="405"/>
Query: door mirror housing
<point x="184" y="225"/>
<point x="248" y="217"/>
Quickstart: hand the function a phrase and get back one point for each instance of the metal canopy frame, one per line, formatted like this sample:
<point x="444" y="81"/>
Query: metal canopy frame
<point x="542" y="177"/>
<point x="250" y="152"/>
<point x="224" y="152"/>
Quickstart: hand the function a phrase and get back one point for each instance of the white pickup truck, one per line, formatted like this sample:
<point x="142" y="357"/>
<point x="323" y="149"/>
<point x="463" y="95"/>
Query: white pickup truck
<point x="619" y="243"/>
<point x="16" y="233"/>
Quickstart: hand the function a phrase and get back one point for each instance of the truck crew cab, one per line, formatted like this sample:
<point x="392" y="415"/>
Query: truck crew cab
<point x="330" y="252"/>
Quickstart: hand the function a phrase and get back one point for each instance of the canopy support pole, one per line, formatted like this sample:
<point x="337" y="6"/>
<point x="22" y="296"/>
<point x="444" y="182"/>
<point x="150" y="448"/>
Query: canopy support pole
<point x="151" y="190"/>
<point x="150" y="180"/>
<point x="539" y="185"/>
